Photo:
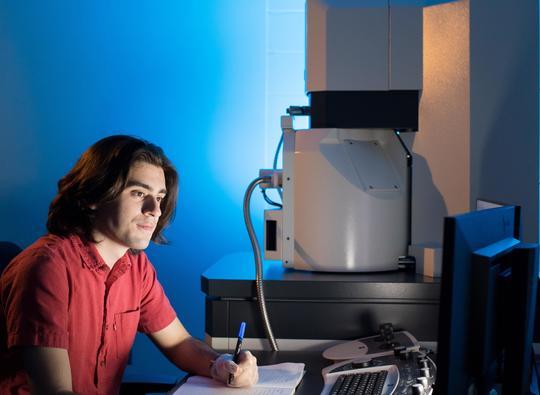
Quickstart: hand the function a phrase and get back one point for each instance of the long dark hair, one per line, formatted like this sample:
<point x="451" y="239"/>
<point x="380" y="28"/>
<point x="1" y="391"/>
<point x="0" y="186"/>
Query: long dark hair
<point x="99" y="176"/>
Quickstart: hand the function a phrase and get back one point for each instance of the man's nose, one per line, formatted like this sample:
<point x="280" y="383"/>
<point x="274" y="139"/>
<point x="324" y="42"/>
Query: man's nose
<point x="152" y="206"/>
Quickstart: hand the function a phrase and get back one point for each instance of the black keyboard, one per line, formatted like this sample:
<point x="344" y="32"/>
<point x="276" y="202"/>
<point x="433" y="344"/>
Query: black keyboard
<point x="360" y="384"/>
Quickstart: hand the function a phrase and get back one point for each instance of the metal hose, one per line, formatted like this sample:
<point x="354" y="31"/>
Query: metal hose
<point x="258" y="261"/>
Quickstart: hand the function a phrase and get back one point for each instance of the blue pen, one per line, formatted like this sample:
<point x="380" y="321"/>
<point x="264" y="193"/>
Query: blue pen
<point x="238" y="346"/>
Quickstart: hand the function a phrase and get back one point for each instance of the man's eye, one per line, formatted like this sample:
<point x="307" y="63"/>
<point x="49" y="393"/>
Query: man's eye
<point x="160" y="198"/>
<point x="137" y="194"/>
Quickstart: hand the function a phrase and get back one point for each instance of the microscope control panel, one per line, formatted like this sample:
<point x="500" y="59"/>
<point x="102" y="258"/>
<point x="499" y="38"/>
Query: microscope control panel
<point x="405" y="372"/>
<point x="389" y="363"/>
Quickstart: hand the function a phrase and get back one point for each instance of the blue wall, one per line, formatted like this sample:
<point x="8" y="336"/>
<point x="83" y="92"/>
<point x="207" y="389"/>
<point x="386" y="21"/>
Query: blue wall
<point x="187" y="75"/>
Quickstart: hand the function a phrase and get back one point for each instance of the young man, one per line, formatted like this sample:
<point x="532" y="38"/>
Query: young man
<point x="71" y="303"/>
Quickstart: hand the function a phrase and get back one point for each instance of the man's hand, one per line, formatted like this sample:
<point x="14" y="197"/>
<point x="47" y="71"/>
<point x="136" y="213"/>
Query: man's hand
<point x="194" y="356"/>
<point x="245" y="372"/>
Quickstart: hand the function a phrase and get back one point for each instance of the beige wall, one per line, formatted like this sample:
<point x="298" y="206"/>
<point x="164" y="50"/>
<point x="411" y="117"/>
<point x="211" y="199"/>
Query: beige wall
<point x="478" y="132"/>
<point x="441" y="146"/>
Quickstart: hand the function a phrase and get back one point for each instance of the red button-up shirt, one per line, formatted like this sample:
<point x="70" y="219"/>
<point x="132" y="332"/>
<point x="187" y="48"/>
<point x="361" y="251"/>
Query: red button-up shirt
<point x="60" y="293"/>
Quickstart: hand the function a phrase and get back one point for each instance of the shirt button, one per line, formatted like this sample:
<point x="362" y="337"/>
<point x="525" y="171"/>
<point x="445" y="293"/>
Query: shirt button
<point x="106" y="327"/>
<point x="102" y="363"/>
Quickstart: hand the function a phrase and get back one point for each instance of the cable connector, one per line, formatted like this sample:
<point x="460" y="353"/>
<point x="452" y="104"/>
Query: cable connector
<point x="299" y="110"/>
<point x="272" y="178"/>
<point x="407" y="263"/>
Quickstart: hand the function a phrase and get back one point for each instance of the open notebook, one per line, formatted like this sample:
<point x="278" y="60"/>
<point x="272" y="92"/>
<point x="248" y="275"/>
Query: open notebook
<point x="280" y="379"/>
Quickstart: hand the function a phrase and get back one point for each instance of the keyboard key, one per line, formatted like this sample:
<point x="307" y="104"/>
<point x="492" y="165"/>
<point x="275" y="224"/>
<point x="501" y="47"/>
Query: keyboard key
<point x="371" y="383"/>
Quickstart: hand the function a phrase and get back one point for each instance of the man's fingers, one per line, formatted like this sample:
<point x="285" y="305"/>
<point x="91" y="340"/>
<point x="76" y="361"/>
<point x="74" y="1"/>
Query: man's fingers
<point x="231" y="367"/>
<point x="247" y="374"/>
<point x="246" y="356"/>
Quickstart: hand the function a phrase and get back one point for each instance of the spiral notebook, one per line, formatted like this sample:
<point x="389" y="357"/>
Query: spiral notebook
<point x="279" y="379"/>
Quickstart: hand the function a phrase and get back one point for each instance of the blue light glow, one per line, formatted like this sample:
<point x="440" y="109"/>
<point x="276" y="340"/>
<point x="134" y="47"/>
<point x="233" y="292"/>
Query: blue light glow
<point x="197" y="78"/>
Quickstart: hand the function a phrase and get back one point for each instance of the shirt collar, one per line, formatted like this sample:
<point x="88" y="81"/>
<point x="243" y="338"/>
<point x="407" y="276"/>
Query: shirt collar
<point x="90" y="255"/>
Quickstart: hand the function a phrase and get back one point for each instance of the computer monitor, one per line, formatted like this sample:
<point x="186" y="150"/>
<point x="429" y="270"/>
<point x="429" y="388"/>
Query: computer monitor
<point x="487" y="305"/>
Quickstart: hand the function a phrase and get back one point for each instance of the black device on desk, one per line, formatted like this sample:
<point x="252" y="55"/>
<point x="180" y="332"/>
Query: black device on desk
<point x="488" y="296"/>
<point x="315" y="308"/>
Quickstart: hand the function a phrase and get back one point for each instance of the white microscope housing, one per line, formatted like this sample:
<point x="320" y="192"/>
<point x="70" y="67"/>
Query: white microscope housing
<point x="346" y="197"/>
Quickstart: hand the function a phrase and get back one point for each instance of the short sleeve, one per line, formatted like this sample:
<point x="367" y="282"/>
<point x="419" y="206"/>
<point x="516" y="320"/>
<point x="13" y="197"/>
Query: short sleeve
<point x="35" y="298"/>
<point x="156" y="310"/>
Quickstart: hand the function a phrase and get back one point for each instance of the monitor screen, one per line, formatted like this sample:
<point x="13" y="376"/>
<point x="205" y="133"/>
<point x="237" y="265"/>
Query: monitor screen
<point x="488" y="279"/>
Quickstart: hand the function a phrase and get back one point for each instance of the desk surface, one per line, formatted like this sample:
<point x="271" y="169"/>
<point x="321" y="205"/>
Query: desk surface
<point x="233" y="276"/>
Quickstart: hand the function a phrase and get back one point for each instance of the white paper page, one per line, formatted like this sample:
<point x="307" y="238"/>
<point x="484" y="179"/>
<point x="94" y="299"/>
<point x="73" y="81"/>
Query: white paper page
<point x="207" y="386"/>
<point x="280" y="379"/>
<point x="281" y="375"/>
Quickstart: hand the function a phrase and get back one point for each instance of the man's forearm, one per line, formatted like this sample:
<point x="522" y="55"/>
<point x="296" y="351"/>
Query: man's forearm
<point x="192" y="356"/>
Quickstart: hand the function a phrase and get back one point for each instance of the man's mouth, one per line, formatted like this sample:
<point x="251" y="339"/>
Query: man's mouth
<point x="146" y="227"/>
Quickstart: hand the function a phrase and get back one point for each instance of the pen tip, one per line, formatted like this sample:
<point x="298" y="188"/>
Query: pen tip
<point x="242" y="330"/>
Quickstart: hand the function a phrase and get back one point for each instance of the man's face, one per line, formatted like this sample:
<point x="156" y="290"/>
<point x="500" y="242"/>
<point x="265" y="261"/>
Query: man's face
<point x="129" y="221"/>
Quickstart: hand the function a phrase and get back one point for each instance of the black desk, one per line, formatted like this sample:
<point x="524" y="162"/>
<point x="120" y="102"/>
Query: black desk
<point x="308" y="305"/>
